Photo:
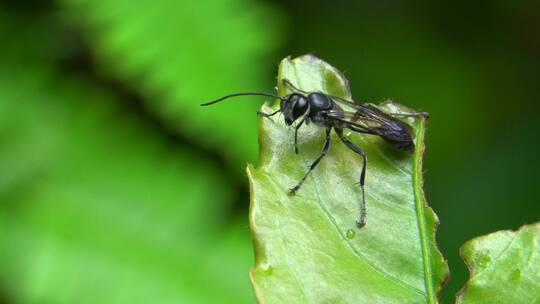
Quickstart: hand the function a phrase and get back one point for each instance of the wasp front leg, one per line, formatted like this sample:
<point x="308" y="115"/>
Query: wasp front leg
<point x="267" y="114"/>
<point x="296" y="134"/>
<point x="293" y="190"/>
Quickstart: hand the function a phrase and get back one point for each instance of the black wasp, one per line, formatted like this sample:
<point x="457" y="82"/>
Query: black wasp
<point x="332" y="112"/>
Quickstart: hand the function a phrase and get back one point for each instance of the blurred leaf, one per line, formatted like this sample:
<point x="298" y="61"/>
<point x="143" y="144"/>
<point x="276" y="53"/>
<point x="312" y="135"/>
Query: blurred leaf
<point x="97" y="206"/>
<point x="178" y="54"/>
<point x="308" y="249"/>
<point x="504" y="267"/>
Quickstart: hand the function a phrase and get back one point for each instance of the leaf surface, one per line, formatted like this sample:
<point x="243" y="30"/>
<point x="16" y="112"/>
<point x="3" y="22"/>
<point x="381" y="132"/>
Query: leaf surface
<point x="307" y="247"/>
<point x="504" y="267"/>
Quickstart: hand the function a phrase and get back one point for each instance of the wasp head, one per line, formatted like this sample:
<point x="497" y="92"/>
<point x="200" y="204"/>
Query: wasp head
<point x="293" y="106"/>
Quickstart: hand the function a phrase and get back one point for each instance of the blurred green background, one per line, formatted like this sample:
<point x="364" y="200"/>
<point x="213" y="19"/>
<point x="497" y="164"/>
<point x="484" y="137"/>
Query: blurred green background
<point x="116" y="187"/>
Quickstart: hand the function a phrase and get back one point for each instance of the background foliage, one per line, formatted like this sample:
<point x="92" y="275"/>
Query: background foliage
<point x="116" y="186"/>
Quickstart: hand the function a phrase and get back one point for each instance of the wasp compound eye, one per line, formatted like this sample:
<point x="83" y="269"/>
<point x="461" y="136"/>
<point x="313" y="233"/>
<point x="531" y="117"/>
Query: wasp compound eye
<point x="292" y="107"/>
<point x="299" y="107"/>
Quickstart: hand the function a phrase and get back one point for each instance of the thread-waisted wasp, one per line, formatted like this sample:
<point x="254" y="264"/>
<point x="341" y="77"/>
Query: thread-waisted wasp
<point x="336" y="113"/>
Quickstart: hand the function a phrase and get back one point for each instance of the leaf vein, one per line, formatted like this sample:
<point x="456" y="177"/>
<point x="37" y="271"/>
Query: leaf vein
<point x="420" y="215"/>
<point x="354" y="250"/>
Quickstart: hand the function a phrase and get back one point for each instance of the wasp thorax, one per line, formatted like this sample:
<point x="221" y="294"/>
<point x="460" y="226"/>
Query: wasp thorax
<point x="293" y="106"/>
<point x="319" y="101"/>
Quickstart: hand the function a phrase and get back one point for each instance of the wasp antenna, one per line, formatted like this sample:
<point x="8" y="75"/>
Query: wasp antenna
<point x="241" y="94"/>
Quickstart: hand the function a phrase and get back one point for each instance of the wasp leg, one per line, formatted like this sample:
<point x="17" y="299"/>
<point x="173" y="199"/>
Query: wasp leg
<point x="411" y="114"/>
<point x="267" y="114"/>
<point x="362" y="222"/>
<point x="293" y="190"/>
<point x="288" y="83"/>
<point x="296" y="134"/>
<point x="414" y="114"/>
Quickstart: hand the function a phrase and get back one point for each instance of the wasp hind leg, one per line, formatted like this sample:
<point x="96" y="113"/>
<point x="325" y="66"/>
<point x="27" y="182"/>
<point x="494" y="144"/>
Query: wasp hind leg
<point x="413" y="114"/>
<point x="363" y="212"/>
<point x="410" y="114"/>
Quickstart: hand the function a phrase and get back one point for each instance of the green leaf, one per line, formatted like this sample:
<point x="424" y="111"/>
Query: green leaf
<point x="307" y="247"/>
<point x="97" y="206"/>
<point x="504" y="267"/>
<point x="179" y="54"/>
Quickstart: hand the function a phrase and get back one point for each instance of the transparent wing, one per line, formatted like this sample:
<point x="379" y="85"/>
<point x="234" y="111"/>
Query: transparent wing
<point x="367" y="118"/>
